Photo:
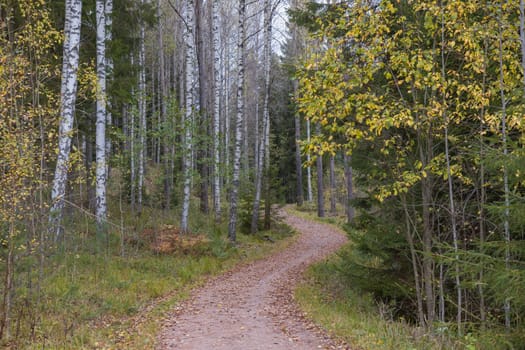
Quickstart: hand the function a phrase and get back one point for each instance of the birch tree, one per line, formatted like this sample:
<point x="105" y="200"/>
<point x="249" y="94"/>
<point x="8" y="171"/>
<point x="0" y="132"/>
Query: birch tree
<point x="142" y="115"/>
<point x="232" y="226"/>
<point x="108" y="11"/>
<point x="298" y="161"/>
<point x="100" y="195"/>
<point x="163" y="110"/>
<point x="263" y="155"/>
<point x="67" y="109"/>
<point x="309" y="191"/>
<point x="189" y="42"/>
<point x="216" y="110"/>
<point x="202" y="92"/>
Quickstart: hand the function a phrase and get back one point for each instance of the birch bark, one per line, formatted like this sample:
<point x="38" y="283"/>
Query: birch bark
<point x="309" y="167"/>
<point x="67" y="110"/>
<point x="189" y="106"/>
<point x="100" y="195"/>
<point x="238" y="124"/>
<point x="216" y="110"/>
<point x="264" y="140"/>
<point x="108" y="12"/>
<point x="142" y="117"/>
<point x="298" y="161"/>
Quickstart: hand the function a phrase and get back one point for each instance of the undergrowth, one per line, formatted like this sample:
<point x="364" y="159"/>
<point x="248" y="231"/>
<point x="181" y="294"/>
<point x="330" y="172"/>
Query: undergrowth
<point x="332" y="300"/>
<point x="113" y="291"/>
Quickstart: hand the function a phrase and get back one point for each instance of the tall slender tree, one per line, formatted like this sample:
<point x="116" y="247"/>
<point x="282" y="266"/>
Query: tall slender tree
<point x="216" y="110"/>
<point x="67" y="109"/>
<point x="234" y="195"/>
<point x="320" y="182"/>
<point x="108" y="12"/>
<point x="189" y="41"/>
<point x="100" y="195"/>
<point x="141" y="114"/>
<point x="203" y="113"/>
<point x="333" y="198"/>
<point x="263" y="155"/>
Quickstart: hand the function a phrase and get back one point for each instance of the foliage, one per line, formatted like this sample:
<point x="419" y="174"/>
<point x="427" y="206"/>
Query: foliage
<point x="419" y="92"/>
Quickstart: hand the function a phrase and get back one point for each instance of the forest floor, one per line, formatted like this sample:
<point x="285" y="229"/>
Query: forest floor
<point x="252" y="306"/>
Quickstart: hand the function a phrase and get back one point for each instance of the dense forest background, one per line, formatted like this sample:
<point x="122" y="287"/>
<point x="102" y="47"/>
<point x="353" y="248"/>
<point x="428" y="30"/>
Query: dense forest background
<point x="124" y="119"/>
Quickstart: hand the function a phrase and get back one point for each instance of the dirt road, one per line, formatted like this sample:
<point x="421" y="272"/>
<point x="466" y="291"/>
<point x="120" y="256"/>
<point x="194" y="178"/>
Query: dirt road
<point x="252" y="307"/>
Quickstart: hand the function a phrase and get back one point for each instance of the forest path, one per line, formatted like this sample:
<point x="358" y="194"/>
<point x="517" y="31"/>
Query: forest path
<point x="252" y="306"/>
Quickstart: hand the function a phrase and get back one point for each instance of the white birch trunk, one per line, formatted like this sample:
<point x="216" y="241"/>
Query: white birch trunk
<point x="298" y="161"/>
<point x="67" y="110"/>
<point x="216" y="110"/>
<point x="133" y="171"/>
<point x="100" y="195"/>
<point x="227" y="126"/>
<point x="109" y="72"/>
<point x="189" y="105"/>
<point x="232" y="227"/>
<point x="263" y="154"/>
<point x="162" y="115"/>
<point x="142" y="117"/>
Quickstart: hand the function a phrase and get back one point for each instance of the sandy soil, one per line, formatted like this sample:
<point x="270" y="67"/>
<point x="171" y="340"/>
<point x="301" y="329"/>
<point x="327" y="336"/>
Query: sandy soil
<point x="252" y="307"/>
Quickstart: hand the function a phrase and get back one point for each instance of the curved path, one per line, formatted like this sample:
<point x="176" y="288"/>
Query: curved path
<point x="252" y="307"/>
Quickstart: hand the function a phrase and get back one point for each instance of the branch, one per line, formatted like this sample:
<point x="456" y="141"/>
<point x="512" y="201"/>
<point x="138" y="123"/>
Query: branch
<point x="178" y="14"/>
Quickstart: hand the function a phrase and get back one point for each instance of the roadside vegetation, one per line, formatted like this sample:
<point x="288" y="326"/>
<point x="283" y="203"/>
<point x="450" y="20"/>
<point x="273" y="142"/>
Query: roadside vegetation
<point x="114" y="291"/>
<point x="334" y="298"/>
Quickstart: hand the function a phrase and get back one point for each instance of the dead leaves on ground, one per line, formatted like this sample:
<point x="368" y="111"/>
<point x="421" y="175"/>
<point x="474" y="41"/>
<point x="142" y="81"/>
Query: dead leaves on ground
<point x="169" y="239"/>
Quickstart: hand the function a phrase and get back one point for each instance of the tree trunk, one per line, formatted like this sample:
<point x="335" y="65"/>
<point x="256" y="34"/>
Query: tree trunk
<point x="232" y="227"/>
<point x="227" y="128"/>
<point x="482" y="192"/>
<point x="309" y="167"/>
<point x="203" y="112"/>
<point x="298" y="162"/>
<point x="216" y="111"/>
<point x="5" y="327"/>
<point x="189" y="106"/>
<point x="452" y="204"/>
<point x="108" y="12"/>
<point x="506" y="189"/>
<point x="425" y="153"/>
<point x="413" y="258"/>
<point x="142" y="118"/>
<point x="264" y="143"/>
<point x="67" y="111"/>
<point x="320" y="186"/>
<point x="333" y="198"/>
<point x="349" y="209"/>
<point x="163" y="118"/>
<point x="101" y="207"/>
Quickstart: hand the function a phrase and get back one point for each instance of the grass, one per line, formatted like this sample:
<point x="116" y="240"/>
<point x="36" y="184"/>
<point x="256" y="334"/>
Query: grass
<point x="97" y="295"/>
